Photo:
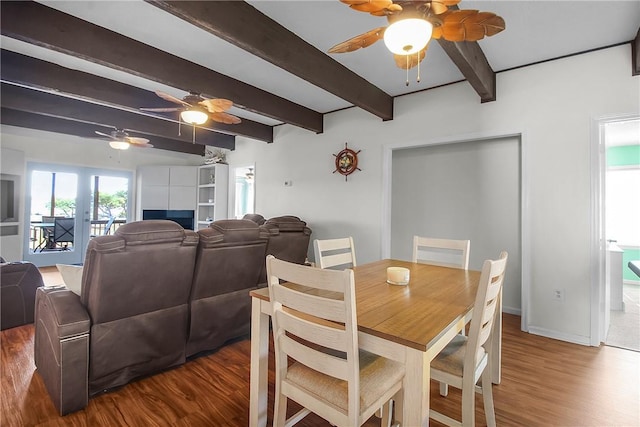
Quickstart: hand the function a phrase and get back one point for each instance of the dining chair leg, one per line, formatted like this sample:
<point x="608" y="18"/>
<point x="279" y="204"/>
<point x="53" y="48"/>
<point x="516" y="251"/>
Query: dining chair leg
<point x="279" y="410"/>
<point x="386" y="414"/>
<point x="398" y="408"/>
<point x="487" y="398"/>
<point x="468" y="404"/>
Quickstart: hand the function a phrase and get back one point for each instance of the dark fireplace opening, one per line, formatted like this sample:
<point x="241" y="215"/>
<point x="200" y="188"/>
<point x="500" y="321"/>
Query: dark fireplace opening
<point x="182" y="217"/>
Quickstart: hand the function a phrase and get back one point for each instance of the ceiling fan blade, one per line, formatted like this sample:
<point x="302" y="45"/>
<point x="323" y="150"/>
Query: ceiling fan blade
<point x="136" y="140"/>
<point x="360" y="41"/>
<point x="392" y="9"/>
<point x="368" y="5"/>
<point x="406" y="62"/>
<point x="162" y="110"/>
<point x="225" y="118"/>
<point x="170" y="98"/>
<point x="142" y="145"/>
<point x="441" y="6"/>
<point x="216" y="105"/>
<point x="104" y="134"/>
<point x="469" y="25"/>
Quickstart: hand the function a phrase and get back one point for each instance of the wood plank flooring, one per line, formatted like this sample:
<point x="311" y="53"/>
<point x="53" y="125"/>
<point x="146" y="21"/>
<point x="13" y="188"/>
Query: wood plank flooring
<point x="545" y="383"/>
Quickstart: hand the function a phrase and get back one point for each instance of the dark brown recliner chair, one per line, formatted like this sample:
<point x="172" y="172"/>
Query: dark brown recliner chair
<point x="257" y="218"/>
<point x="18" y="284"/>
<point x="288" y="238"/>
<point x="230" y="257"/>
<point x="131" y="319"/>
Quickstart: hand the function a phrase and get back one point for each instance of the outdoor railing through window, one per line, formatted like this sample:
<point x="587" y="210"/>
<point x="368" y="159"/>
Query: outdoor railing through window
<point x="38" y="235"/>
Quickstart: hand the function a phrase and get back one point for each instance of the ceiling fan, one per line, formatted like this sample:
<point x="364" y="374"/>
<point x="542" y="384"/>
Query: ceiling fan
<point x="196" y="110"/>
<point x="412" y="25"/>
<point x="120" y="140"/>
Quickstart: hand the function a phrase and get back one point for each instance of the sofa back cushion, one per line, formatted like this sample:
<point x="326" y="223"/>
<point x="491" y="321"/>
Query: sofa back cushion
<point x="230" y="257"/>
<point x="136" y="286"/>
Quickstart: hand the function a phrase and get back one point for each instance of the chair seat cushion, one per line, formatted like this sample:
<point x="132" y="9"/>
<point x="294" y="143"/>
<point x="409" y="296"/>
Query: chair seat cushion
<point x="451" y="358"/>
<point x="377" y="375"/>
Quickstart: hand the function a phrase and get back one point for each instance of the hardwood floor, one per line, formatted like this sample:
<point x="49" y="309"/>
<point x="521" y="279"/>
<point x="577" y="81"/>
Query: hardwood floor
<point x="545" y="382"/>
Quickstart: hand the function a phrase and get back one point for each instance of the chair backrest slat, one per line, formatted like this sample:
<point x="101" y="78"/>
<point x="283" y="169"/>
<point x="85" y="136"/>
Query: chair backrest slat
<point x="332" y="253"/>
<point x="441" y="252"/>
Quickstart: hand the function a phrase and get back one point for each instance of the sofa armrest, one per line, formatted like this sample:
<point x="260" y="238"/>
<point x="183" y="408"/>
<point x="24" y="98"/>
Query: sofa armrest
<point x="61" y="348"/>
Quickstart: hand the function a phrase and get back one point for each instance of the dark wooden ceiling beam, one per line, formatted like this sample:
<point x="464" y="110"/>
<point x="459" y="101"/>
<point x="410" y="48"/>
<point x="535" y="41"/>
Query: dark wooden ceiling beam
<point x="32" y="72"/>
<point x="84" y="130"/>
<point x="244" y="26"/>
<point x="473" y="64"/>
<point x="34" y="101"/>
<point x="41" y="25"/>
<point x="635" y="55"/>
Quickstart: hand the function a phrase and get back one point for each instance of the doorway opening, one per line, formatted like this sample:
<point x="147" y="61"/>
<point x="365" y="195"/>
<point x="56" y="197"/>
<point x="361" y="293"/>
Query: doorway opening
<point x="244" y="191"/>
<point x="620" y="172"/>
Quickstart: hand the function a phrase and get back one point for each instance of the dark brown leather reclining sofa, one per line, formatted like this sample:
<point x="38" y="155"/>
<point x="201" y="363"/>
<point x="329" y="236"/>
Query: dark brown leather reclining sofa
<point x="152" y="295"/>
<point x="18" y="284"/>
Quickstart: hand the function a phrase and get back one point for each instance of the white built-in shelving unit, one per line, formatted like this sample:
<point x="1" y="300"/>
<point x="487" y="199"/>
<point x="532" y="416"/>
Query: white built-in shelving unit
<point x="213" y="185"/>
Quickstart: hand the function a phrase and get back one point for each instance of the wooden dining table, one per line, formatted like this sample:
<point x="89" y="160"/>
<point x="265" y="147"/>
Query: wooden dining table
<point x="410" y="324"/>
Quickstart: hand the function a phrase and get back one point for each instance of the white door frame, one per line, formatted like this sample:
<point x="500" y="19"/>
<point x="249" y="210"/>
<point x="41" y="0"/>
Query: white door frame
<point x="525" y="232"/>
<point x="598" y="238"/>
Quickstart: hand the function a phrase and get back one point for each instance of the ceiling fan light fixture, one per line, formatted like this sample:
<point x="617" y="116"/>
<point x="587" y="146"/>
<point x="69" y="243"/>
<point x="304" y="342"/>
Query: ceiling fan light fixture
<point x="194" y="116"/>
<point x="119" y="145"/>
<point x="408" y="36"/>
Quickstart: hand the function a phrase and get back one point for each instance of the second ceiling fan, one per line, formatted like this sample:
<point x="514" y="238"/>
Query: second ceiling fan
<point x="196" y="110"/>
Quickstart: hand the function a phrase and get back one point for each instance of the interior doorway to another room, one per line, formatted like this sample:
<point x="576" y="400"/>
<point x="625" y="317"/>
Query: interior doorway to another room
<point x="621" y="210"/>
<point x="243" y="191"/>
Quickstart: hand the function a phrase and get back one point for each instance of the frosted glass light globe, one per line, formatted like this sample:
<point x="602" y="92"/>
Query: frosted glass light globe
<point x="408" y="36"/>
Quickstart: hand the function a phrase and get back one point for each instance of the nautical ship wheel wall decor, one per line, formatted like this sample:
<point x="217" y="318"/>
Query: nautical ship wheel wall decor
<point x="346" y="162"/>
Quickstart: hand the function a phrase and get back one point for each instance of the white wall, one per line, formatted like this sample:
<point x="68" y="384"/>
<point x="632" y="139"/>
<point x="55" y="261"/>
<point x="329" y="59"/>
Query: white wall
<point x="469" y="190"/>
<point x="19" y="145"/>
<point x="12" y="162"/>
<point x="551" y="105"/>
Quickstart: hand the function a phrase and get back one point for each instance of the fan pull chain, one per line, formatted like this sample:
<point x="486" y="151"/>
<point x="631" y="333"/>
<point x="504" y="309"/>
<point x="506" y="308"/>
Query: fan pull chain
<point x="194" y="134"/>
<point x="407" y="82"/>
<point x="179" y="125"/>
<point x="418" y="59"/>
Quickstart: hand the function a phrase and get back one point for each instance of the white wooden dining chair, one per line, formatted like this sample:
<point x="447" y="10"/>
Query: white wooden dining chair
<point x="465" y="359"/>
<point x="332" y="253"/>
<point x="317" y="330"/>
<point x="445" y="253"/>
<point x="442" y="252"/>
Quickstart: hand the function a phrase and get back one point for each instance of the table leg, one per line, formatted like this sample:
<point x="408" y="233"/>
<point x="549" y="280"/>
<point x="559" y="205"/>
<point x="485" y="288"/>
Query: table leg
<point x="259" y="365"/>
<point x="416" y="389"/>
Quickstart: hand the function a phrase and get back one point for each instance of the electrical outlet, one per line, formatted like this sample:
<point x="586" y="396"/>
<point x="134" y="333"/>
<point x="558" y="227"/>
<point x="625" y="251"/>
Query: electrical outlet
<point x="558" y="295"/>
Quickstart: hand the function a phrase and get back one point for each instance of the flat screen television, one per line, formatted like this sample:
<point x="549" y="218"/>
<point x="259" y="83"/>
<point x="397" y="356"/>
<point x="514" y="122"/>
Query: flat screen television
<point x="182" y="217"/>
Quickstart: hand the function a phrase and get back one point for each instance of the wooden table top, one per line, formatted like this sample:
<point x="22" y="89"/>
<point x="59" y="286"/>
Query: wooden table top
<point x="414" y="315"/>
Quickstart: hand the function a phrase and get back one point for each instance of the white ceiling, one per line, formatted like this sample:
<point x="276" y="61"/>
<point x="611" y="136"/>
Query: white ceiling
<point x="536" y="31"/>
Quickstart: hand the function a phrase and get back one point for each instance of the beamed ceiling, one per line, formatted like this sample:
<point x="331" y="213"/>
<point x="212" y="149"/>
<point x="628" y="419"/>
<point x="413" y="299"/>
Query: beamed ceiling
<point x="75" y="67"/>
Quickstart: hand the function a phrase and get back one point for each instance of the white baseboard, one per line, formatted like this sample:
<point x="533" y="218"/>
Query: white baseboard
<point x="512" y="310"/>
<point x="562" y="336"/>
